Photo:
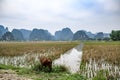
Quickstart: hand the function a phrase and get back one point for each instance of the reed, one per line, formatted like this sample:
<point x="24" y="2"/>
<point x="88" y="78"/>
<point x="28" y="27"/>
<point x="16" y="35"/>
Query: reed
<point x="101" y="56"/>
<point x="25" y="54"/>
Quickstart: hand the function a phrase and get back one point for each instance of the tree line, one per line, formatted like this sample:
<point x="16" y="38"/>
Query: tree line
<point x="115" y="35"/>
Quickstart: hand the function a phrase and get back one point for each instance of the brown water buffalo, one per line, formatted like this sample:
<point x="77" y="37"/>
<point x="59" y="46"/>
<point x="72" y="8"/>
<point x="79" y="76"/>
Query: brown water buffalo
<point x="46" y="62"/>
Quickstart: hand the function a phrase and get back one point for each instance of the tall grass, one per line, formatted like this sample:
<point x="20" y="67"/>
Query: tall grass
<point x="99" y="56"/>
<point x="20" y="48"/>
<point x="25" y="54"/>
<point x="109" y="51"/>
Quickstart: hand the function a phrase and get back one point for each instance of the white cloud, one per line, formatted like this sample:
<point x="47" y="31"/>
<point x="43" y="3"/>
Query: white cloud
<point x="60" y="13"/>
<point x="110" y="5"/>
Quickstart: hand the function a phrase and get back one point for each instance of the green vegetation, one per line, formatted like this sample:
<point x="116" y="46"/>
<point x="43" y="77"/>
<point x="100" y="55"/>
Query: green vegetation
<point x="73" y="77"/>
<point x="2" y="66"/>
<point x="100" y="75"/>
<point x="56" y="69"/>
<point x="58" y="73"/>
<point x="115" y="35"/>
<point x="102" y="42"/>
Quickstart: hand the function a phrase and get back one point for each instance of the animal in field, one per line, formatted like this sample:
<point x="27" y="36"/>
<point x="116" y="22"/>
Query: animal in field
<point x="46" y="62"/>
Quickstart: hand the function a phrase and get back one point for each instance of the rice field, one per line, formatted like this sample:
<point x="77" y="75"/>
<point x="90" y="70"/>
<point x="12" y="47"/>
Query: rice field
<point x="25" y="54"/>
<point x="20" y="48"/>
<point x="101" y="59"/>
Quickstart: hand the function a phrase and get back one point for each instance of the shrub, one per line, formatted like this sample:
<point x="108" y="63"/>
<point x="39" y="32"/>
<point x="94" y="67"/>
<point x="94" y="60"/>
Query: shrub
<point x="3" y="66"/>
<point x="74" y="77"/>
<point x="36" y="67"/>
<point x="100" y="75"/>
<point x="60" y="68"/>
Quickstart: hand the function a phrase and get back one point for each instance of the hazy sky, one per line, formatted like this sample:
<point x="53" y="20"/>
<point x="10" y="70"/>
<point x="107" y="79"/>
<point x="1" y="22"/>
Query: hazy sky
<point x="90" y="15"/>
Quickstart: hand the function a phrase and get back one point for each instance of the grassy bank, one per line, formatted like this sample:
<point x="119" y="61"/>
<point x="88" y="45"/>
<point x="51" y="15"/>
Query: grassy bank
<point x="58" y="73"/>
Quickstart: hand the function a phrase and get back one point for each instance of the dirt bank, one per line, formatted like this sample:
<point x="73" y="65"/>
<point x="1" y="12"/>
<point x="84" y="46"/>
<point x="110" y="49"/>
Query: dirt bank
<point x="11" y="75"/>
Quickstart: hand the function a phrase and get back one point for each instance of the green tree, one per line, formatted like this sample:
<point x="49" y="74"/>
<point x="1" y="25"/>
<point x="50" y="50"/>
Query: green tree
<point x="115" y="35"/>
<point x="8" y="36"/>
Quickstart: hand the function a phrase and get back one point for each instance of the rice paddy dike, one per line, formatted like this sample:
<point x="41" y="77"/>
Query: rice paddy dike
<point x="100" y="60"/>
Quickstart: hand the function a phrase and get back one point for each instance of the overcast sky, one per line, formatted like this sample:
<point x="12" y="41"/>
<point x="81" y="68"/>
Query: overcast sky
<point x="53" y="15"/>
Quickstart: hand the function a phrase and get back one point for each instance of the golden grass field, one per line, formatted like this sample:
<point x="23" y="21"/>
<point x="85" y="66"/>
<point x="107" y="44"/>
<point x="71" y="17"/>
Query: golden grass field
<point x="20" y="48"/>
<point x="109" y="51"/>
<point x="101" y="60"/>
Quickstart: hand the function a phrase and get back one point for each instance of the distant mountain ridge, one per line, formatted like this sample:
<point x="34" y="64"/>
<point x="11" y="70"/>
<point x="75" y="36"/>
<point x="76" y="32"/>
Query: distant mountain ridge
<point x="39" y="35"/>
<point x="64" y="34"/>
<point x="18" y="36"/>
<point x="3" y="30"/>
<point x="26" y="33"/>
<point x="80" y="35"/>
